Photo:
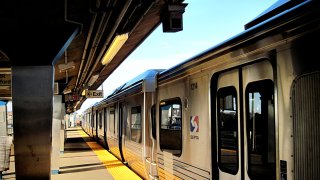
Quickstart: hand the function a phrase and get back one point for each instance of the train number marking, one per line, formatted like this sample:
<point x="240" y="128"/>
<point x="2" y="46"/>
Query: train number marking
<point x="194" y="86"/>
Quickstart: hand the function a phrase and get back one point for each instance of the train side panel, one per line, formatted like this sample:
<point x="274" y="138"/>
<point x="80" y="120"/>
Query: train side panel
<point x="298" y="92"/>
<point x="184" y="104"/>
<point x="246" y="109"/>
<point x="198" y="144"/>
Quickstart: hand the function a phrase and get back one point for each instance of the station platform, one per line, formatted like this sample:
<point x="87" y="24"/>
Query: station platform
<point x="84" y="159"/>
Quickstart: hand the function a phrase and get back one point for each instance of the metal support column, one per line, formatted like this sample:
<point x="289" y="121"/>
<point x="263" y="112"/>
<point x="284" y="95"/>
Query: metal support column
<point x="32" y="98"/>
<point x="62" y="128"/>
<point x="56" y="126"/>
<point x="3" y="118"/>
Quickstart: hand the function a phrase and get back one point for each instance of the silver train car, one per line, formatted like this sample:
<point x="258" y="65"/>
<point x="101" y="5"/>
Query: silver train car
<point x="247" y="108"/>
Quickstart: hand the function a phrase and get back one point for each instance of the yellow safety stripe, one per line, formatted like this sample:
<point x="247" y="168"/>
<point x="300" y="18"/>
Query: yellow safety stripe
<point x="115" y="167"/>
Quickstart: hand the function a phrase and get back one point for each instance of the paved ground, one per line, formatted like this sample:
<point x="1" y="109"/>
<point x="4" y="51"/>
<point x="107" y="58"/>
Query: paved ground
<point x="83" y="159"/>
<point x="79" y="161"/>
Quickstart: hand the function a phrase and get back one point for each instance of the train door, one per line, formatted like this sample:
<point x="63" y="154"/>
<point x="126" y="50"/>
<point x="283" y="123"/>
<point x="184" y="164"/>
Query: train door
<point x="113" y="130"/>
<point x="243" y="112"/>
<point x="100" y="134"/>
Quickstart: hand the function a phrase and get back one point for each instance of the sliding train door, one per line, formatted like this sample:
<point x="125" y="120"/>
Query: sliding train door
<point x="260" y="121"/>
<point x="113" y="130"/>
<point x="243" y="115"/>
<point x="227" y="121"/>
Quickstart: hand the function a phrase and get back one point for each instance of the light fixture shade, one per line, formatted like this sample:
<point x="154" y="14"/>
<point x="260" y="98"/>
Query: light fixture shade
<point x="93" y="79"/>
<point x="67" y="66"/>
<point x="115" y="46"/>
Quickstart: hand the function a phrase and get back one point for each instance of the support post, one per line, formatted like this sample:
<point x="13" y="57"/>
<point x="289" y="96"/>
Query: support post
<point x="3" y="118"/>
<point x="32" y="92"/>
<point x="56" y="126"/>
<point x="62" y="128"/>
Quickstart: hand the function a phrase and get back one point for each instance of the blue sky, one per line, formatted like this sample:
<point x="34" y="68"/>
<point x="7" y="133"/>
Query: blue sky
<point x="205" y="24"/>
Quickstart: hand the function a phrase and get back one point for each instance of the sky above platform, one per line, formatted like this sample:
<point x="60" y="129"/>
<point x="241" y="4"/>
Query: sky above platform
<point x="206" y="23"/>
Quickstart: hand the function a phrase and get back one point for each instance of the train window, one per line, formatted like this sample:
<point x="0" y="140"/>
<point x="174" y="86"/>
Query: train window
<point x="127" y="130"/>
<point x="136" y="132"/>
<point x="100" y="120"/>
<point x="105" y="119"/>
<point x="91" y="119"/>
<point x="260" y="125"/>
<point x="95" y="119"/>
<point x="170" y="126"/>
<point x="153" y="121"/>
<point x="227" y="130"/>
<point x="112" y="120"/>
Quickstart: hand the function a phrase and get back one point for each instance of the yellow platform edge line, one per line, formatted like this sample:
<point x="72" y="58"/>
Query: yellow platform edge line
<point x="115" y="167"/>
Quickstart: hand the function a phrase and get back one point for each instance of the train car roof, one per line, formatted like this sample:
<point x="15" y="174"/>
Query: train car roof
<point x="276" y="8"/>
<point x="151" y="73"/>
<point x="289" y="11"/>
<point x="145" y="75"/>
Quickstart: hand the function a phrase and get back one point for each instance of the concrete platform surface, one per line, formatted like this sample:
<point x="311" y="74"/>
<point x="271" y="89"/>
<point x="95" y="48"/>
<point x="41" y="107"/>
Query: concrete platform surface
<point x="83" y="159"/>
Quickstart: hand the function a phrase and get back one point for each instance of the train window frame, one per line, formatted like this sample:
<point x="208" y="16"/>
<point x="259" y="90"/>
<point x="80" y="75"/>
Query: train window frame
<point x="136" y="116"/>
<point x="174" y="133"/>
<point x="262" y="86"/>
<point x="223" y="93"/>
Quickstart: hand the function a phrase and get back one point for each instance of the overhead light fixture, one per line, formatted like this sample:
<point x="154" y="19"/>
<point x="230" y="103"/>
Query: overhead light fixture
<point x="67" y="66"/>
<point x="67" y="91"/>
<point x="93" y="79"/>
<point x="115" y="46"/>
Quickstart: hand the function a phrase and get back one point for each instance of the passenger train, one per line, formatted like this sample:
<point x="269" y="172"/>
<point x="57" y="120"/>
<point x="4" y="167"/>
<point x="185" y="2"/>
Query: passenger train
<point x="247" y="108"/>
